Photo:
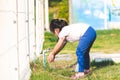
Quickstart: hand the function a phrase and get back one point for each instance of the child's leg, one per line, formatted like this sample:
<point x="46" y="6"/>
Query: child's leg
<point x="82" y="52"/>
<point x="87" y="60"/>
<point x="83" y="49"/>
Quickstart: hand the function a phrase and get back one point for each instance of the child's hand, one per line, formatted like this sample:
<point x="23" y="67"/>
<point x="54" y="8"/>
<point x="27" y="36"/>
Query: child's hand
<point x="51" y="57"/>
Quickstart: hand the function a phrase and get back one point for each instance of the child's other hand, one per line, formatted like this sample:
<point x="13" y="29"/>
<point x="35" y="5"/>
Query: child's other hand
<point x="51" y="57"/>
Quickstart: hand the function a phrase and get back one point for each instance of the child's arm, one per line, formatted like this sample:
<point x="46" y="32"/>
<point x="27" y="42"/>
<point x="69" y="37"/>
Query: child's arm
<point x="60" y="44"/>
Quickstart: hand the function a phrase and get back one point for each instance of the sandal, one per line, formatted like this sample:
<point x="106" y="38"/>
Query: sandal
<point x="87" y="71"/>
<point x="78" y="75"/>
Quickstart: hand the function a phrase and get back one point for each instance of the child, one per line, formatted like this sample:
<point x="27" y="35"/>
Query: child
<point x="81" y="32"/>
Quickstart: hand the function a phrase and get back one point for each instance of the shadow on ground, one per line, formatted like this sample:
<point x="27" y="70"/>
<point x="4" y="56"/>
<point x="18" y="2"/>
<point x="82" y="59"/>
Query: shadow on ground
<point x="102" y="63"/>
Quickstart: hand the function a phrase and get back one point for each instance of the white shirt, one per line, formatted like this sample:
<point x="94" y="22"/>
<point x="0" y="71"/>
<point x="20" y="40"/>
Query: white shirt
<point x="73" y="32"/>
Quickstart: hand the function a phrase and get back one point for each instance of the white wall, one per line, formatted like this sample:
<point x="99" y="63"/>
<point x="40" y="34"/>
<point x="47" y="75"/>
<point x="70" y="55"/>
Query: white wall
<point x="20" y="40"/>
<point x="114" y="25"/>
<point x="8" y="41"/>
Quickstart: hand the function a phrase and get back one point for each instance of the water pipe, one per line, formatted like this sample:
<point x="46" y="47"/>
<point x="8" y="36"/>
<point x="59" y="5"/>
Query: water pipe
<point x="44" y="57"/>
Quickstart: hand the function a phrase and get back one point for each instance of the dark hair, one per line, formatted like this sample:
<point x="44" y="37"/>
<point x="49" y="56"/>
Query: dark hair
<point x="56" y="23"/>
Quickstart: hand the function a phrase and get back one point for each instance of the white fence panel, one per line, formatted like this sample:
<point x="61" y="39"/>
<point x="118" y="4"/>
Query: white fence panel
<point x="8" y="41"/>
<point x="19" y="37"/>
<point x="31" y="29"/>
<point x="39" y="25"/>
<point x="24" y="68"/>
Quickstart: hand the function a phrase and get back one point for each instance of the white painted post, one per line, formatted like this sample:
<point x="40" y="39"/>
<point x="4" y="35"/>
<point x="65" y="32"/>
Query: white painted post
<point x="70" y="12"/>
<point x="23" y="39"/>
<point x="46" y="15"/>
<point x="39" y="26"/>
<point x="105" y="12"/>
<point x="31" y="26"/>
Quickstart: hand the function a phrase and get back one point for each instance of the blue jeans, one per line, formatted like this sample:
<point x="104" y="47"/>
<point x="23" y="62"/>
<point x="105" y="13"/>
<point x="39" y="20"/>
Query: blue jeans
<point x="83" y="49"/>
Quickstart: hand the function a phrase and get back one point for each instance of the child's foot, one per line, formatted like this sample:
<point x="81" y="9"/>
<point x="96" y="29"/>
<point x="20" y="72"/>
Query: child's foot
<point x="87" y="71"/>
<point x="78" y="75"/>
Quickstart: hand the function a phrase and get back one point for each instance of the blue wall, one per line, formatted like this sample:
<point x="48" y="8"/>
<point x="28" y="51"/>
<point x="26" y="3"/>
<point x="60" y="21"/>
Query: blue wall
<point x="93" y="13"/>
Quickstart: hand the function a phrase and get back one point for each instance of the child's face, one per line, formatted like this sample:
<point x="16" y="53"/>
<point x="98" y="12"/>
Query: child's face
<point x="56" y="31"/>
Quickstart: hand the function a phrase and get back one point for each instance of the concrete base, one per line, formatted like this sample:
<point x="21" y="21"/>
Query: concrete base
<point x="98" y="57"/>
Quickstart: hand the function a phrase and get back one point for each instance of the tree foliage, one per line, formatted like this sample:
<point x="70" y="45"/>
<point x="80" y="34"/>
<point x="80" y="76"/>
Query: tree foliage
<point x="62" y="9"/>
<point x="53" y="3"/>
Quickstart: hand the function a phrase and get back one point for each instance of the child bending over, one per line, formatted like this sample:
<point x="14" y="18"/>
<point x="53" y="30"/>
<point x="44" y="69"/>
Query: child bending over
<point x="81" y="32"/>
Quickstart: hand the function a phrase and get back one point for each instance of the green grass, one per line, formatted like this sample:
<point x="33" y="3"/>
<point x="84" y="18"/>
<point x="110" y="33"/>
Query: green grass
<point x="107" y="41"/>
<point x="106" y="70"/>
<point x="51" y="72"/>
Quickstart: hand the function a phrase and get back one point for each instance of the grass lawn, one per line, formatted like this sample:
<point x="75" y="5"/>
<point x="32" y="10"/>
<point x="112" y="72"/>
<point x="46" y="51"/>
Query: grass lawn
<point x="107" y="41"/>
